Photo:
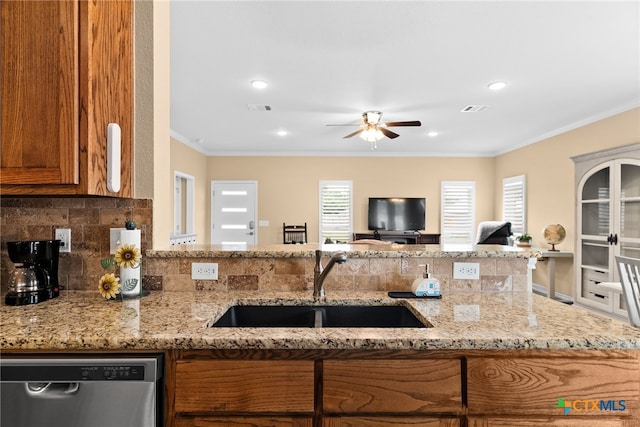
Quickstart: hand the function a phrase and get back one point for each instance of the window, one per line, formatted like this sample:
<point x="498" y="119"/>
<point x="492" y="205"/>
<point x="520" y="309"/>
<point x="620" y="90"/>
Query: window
<point x="458" y="211"/>
<point x="336" y="213"/>
<point x="183" y="209"/>
<point x="514" y="196"/>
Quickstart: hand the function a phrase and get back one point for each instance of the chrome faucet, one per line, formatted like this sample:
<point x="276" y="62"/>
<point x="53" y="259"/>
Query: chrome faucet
<point x="320" y="273"/>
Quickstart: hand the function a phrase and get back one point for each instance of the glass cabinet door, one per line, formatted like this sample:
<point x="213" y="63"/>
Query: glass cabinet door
<point x="596" y="220"/>
<point x="629" y="208"/>
<point x="595" y="209"/>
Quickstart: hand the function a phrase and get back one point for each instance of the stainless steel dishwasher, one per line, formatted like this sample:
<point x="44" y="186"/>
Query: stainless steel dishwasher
<point x="81" y="392"/>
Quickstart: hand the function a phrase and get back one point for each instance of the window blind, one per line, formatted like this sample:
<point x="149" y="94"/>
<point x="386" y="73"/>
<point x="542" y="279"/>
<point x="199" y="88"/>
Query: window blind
<point x="336" y="218"/>
<point x="514" y="198"/>
<point x="457" y="216"/>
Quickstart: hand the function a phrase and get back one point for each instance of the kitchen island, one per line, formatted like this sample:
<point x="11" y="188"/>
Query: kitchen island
<point x="496" y="356"/>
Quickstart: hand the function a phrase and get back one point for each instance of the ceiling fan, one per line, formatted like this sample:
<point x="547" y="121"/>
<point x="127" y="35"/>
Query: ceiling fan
<point x="372" y="130"/>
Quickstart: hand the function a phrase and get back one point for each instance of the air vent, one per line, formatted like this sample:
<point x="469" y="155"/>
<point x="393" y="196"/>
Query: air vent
<point x="258" y="107"/>
<point x="474" y="108"/>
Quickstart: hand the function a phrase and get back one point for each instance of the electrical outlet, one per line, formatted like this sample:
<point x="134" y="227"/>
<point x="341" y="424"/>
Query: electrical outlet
<point x="466" y="270"/>
<point x="204" y="270"/>
<point x="64" y="235"/>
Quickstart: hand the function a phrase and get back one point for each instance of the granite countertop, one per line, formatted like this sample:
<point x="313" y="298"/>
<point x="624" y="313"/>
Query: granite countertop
<point x="369" y="249"/>
<point x="82" y="320"/>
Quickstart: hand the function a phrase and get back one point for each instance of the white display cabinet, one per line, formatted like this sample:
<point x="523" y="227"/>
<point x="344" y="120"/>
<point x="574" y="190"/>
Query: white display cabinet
<point x="607" y="223"/>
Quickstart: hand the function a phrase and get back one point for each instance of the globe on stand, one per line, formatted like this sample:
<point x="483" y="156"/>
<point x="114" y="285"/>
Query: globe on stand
<point x="554" y="234"/>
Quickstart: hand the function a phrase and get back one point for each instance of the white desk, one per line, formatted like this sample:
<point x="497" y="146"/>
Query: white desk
<point x="551" y="268"/>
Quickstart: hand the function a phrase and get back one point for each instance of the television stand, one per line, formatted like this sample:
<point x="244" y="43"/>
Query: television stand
<point x="402" y="237"/>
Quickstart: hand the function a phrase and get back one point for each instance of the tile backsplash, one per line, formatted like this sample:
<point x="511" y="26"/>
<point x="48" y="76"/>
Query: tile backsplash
<point x="259" y="274"/>
<point x="89" y="218"/>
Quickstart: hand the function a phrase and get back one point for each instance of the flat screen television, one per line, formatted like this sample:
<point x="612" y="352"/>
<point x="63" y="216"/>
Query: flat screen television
<point x="397" y="213"/>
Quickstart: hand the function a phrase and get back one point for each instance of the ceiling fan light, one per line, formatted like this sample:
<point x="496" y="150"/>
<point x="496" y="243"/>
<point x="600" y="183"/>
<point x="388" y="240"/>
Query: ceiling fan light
<point x="371" y="134"/>
<point x="372" y="117"/>
<point x="432" y="133"/>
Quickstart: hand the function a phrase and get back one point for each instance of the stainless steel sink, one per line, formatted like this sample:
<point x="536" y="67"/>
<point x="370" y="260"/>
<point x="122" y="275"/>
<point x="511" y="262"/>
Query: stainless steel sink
<point x="322" y="316"/>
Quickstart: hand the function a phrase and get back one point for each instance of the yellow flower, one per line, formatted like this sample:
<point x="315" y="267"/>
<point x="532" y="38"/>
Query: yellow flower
<point x="109" y="285"/>
<point x="127" y="256"/>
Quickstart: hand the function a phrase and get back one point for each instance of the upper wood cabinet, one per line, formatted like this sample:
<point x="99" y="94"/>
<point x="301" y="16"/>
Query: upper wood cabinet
<point x="67" y="72"/>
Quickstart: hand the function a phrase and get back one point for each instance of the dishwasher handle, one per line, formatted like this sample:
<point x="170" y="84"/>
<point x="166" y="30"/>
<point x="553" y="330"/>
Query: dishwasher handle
<point x="52" y="390"/>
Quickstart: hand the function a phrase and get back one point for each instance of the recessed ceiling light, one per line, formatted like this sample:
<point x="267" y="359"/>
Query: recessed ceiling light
<point x="259" y="84"/>
<point x="497" y="85"/>
<point x="282" y="132"/>
<point x="432" y="133"/>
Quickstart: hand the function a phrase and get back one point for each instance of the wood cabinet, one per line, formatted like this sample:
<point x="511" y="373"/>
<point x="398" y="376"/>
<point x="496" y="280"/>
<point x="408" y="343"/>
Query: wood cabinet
<point x="448" y="388"/>
<point x="554" y="390"/>
<point x="245" y="386"/>
<point x="401" y="238"/>
<point x="67" y="72"/>
<point x="392" y="386"/>
<point x="607" y="223"/>
<point x="317" y="389"/>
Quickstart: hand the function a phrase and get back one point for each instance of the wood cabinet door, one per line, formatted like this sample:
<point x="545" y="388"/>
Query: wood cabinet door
<point x="39" y="97"/>
<point x="535" y="386"/>
<point x="392" y="386"/>
<point x="225" y="386"/>
<point x="66" y="74"/>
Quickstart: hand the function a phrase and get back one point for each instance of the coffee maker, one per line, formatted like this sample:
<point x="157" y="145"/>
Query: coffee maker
<point x="35" y="278"/>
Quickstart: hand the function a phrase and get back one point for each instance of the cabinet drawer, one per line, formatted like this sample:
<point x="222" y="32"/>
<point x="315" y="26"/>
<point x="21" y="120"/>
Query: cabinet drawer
<point x="534" y="385"/>
<point x="560" y="421"/>
<point x="244" y="386"/>
<point x="377" y="386"/>
<point x="390" y="422"/>
<point x="244" y="422"/>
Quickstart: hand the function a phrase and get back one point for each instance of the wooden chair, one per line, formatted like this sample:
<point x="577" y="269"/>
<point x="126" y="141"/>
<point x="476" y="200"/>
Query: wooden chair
<point x="292" y="234"/>
<point x="629" y="269"/>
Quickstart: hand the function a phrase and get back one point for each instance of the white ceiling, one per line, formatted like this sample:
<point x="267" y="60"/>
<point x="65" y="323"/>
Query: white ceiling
<point x="567" y="63"/>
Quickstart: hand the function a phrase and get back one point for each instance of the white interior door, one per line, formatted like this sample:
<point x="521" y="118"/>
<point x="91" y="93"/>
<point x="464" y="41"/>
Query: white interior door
<point x="233" y="212"/>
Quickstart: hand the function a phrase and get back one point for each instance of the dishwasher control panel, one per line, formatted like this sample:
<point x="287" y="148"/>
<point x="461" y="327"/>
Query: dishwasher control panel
<point x="70" y="372"/>
<point x="114" y="372"/>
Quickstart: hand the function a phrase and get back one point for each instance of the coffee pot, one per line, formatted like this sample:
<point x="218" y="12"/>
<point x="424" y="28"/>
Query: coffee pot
<point x="35" y="278"/>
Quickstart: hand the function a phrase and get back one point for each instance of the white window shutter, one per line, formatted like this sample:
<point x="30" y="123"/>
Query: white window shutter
<point x="514" y="205"/>
<point x="336" y="212"/>
<point x="457" y="216"/>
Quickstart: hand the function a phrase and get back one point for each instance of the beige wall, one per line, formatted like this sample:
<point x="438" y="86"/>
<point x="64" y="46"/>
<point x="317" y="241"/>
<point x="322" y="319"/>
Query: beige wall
<point x="288" y="186"/>
<point x="189" y="161"/>
<point x="551" y="180"/>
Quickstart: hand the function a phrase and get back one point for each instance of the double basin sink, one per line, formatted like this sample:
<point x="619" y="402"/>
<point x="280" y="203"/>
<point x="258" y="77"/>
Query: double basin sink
<point x="318" y="316"/>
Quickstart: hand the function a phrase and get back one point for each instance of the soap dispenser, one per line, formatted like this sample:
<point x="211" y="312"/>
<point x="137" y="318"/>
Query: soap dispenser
<point x="426" y="286"/>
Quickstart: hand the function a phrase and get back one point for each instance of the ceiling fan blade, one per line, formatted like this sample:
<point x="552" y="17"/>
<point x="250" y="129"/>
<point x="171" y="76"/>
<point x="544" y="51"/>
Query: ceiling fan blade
<point x="346" y="125"/>
<point x="353" y="134"/>
<point x="388" y="133"/>
<point x="409" y="123"/>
